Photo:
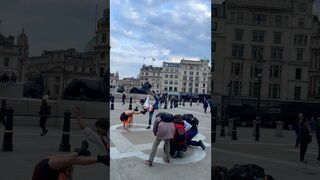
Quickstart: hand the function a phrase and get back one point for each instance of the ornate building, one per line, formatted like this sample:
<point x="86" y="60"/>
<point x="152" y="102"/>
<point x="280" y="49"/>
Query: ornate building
<point x="152" y="75"/>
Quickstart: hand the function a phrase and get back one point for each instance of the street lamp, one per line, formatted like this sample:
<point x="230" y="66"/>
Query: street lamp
<point x="258" y="107"/>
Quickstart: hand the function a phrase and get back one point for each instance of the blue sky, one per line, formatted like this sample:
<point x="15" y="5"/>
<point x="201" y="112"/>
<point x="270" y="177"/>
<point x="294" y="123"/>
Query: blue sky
<point x="165" y="30"/>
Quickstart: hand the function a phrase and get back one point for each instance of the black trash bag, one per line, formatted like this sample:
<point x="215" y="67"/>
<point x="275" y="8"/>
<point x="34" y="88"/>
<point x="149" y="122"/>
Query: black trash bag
<point x="246" y="172"/>
<point x="219" y="172"/>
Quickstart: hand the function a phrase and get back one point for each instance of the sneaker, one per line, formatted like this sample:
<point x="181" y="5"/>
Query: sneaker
<point x="148" y="127"/>
<point x="202" y="145"/>
<point x="83" y="150"/>
<point x="304" y="161"/>
<point x="44" y="133"/>
<point x="180" y="154"/>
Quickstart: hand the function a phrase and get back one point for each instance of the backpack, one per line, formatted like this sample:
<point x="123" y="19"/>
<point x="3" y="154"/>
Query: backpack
<point x="180" y="135"/>
<point x="244" y="172"/>
<point x="165" y="117"/>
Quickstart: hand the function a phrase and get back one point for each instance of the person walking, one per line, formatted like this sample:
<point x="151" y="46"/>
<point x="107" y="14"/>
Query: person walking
<point x="305" y="139"/>
<point x="205" y="105"/>
<point x="318" y="136"/>
<point x="44" y="113"/>
<point x="297" y="128"/>
<point x="124" y="98"/>
<point x="164" y="130"/>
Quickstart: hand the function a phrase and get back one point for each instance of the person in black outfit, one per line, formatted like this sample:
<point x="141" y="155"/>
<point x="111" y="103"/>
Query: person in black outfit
<point x="44" y="113"/>
<point x="205" y="105"/>
<point x="318" y="136"/>
<point x="305" y="139"/>
<point x="123" y="98"/>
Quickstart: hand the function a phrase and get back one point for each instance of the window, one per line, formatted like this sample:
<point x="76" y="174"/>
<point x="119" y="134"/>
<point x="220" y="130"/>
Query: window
<point x="166" y="76"/>
<point x="277" y="36"/>
<point x="299" y="54"/>
<point x="278" y="20"/>
<point x="185" y="72"/>
<point x="175" y="89"/>
<point x="276" y="53"/>
<point x="301" y="22"/>
<point x="196" y="84"/>
<point x="240" y="18"/>
<point x="102" y="55"/>
<point x="258" y="36"/>
<point x="190" y="78"/>
<point x="236" y="69"/>
<point x="196" y="90"/>
<point x="6" y="62"/>
<point x="254" y="89"/>
<point x="83" y="69"/>
<point x="184" y="83"/>
<point x="259" y="19"/>
<point x="215" y="24"/>
<point x="104" y="38"/>
<point x="274" y="91"/>
<point x="184" y="78"/>
<point x="203" y="91"/>
<point x="297" y="92"/>
<point x="275" y="72"/>
<point x="298" y="73"/>
<point x="197" y="73"/>
<point x="191" y="73"/>
<point x="57" y="79"/>
<point x="167" y="69"/>
<point x="165" y="88"/>
<point x="235" y="88"/>
<point x="213" y="46"/>
<point x="170" y="82"/>
<point x="237" y="51"/>
<point x="238" y="34"/>
<point x="232" y="16"/>
<point x="75" y="68"/>
<point x="170" y="88"/>
<point x="204" y="85"/>
<point x="257" y="52"/>
<point x="197" y="78"/>
<point x="165" y="81"/>
<point x="171" y="75"/>
<point x="254" y="70"/>
<point x="176" y="82"/>
<point x="176" y="76"/>
<point x="300" y="39"/>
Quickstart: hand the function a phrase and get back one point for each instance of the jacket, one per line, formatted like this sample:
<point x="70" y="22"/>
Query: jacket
<point x="163" y="130"/>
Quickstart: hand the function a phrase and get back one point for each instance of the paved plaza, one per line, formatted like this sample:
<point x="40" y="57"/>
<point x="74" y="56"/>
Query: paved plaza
<point x="29" y="148"/>
<point x="130" y="149"/>
<point x="276" y="155"/>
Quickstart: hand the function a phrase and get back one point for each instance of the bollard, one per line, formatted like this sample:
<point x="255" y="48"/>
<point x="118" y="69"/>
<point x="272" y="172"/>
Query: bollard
<point x="3" y="111"/>
<point x="165" y="105"/>
<point x="170" y="104"/>
<point x="222" y="132"/>
<point x="198" y="102"/>
<point x="257" y="129"/>
<point x="230" y="126"/>
<point x="234" y="129"/>
<point x="190" y="102"/>
<point x="254" y="128"/>
<point x="180" y="102"/>
<point x="7" y="138"/>
<point x="279" y="129"/>
<point x="130" y="104"/>
<point x="65" y="143"/>
<point x="183" y="103"/>
<point x="214" y="127"/>
<point x="112" y="103"/>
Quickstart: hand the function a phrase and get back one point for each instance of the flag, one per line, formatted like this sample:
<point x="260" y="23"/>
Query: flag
<point x="153" y="59"/>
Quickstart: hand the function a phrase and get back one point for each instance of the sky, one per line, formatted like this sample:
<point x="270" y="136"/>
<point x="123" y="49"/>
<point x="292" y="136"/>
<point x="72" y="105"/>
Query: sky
<point x="164" y="30"/>
<point x="51" y="24"/>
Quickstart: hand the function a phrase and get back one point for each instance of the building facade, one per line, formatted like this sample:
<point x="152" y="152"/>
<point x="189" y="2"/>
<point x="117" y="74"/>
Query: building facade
<point x="267" y="38"/>
<point x="129" y="83"/>
<point x="59" y="67"/>
<point x="194" y="76"/>
<point x="152" y="75"/>
<point x="114" y="81"/>
<point x="314" y="86"/>
<point x="170" y="78"/>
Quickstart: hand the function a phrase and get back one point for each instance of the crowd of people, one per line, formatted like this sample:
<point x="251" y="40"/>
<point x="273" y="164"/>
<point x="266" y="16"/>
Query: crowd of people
<point x="305" y="129"/>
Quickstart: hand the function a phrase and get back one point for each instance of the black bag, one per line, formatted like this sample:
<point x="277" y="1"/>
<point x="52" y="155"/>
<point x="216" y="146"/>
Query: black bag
<point x="245" y="172"/>
<point x="219" y="172"/>
<point x="165" y="117"/>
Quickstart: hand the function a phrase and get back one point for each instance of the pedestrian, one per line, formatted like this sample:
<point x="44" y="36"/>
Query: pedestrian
<point x="205" y="105"/>
<point x="305" y="139"/>
<point x="178" y="144"/>
<point x="297" y="128"/>
<point x="123" y="98"/>
<point x="318" y="136"/>
<point x="163" y="129"/>
<point x="152" y="108"/>
<point x="44" y="114"/>
<point x="127" y="117"/>
<point x="60" y="167"/>
<point x="193" y="131"/>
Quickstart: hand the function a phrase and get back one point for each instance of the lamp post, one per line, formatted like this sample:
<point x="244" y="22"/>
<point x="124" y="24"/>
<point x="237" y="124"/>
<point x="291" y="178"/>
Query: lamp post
<point x="258" y="108"/>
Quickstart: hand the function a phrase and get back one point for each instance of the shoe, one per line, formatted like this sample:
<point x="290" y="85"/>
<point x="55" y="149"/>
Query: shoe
<point x="176" y="154"/>
<point x="180" y="154"/>
<point x="44" y="133"/>
<point x="83" y="150"/>
<point x="149" y="163"/>
<point x="202" y="145"/>
<point x="318" y="158"/>
<point x="148" y="127"/>
<point x="304" y="161"/>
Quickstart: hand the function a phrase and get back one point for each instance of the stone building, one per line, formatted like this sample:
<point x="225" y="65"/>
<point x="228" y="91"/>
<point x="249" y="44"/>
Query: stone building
<point x="114" y="81"/>
<point x="129" y="83"/>
<point x="152" y="75"/>
<point x="170" y="78"/>
<point x="314" y="86"/>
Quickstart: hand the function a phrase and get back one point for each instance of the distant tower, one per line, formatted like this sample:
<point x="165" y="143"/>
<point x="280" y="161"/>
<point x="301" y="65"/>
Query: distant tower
<point x="102" y="43"/>
<point x="23" y="49"/>
<point x="23" y="45"/>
